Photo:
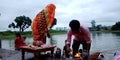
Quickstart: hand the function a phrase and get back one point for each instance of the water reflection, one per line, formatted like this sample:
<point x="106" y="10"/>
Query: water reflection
<point x="104" y="42"/>
<point x="8" y="44"/>
<point x="100" y="41"/>
<point x="116" y="33"/>
<point x="52" y="41"/>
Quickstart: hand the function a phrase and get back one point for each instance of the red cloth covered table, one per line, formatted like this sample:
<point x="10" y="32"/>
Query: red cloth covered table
<point x="36" y="50"/>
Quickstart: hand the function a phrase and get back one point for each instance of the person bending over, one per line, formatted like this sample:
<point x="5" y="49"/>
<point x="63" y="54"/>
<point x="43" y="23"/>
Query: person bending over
<point x="81" y="36"/>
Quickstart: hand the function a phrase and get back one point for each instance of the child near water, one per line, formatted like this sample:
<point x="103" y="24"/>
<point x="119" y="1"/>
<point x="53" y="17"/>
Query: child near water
<point x="19" y="41"/>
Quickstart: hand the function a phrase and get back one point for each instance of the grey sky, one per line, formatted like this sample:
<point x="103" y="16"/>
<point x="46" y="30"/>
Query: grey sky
<point x="105" y="12"/>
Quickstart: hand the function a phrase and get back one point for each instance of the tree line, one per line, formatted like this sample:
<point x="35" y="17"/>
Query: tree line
<point x="23" y="22"/>
<point x="116" y="26"/>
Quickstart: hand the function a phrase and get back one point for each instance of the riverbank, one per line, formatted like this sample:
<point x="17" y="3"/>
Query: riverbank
<point x="99" y="43"/>
<point x="11" y="34"/>
<point x="16" y="55"/>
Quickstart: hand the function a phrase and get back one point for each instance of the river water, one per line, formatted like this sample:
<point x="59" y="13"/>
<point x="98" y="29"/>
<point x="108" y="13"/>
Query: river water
<point x="107" y="43"/>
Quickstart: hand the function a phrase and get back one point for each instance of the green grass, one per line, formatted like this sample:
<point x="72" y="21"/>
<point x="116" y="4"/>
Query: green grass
<point x="11" y="34"/>
<point x="54" y="32"/>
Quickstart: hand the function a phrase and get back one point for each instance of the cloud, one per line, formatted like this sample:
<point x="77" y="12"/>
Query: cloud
<point x="102" y="11"/>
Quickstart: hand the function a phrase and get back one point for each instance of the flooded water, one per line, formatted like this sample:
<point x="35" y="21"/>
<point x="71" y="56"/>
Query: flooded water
<point x="107" y="43"/>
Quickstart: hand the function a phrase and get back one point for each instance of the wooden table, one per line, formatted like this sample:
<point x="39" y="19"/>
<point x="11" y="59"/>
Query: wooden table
<point x="36" y="50"/>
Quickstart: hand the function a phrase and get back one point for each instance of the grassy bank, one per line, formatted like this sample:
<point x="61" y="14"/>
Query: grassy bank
<point x="11" y="34"/>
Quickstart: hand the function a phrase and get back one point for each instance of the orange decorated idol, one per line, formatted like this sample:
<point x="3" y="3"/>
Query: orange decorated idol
<point x="41" y="23"/>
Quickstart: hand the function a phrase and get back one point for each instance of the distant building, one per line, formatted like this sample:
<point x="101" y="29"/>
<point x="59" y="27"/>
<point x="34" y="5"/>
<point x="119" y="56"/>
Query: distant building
<point x="61" y="28"/>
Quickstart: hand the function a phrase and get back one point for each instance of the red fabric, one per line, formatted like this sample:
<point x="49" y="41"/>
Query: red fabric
<point x="42" y="21"/>
<point x="19" y="41"/>
<point x="50" y="8"/>
<point x="39" y="27"/>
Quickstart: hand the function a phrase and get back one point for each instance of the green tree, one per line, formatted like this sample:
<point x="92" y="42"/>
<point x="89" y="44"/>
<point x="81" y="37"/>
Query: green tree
<point x="54" y="23"/>
<point x="21" y="22"/>
<point x="98" y="27"/>
<point x="116" y="26"/>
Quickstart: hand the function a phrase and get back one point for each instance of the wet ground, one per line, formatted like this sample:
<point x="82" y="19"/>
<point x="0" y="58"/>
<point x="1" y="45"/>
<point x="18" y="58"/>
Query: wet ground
<point x="16" y="55"/>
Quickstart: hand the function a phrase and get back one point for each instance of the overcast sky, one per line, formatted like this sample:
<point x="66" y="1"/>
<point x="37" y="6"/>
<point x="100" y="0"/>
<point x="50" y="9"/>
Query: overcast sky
<point x="105" y="12"/>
